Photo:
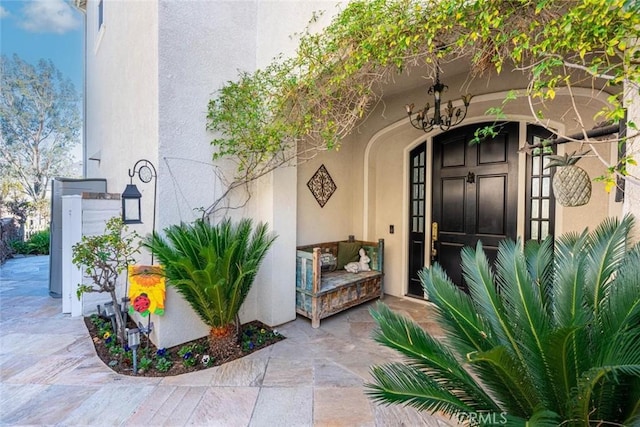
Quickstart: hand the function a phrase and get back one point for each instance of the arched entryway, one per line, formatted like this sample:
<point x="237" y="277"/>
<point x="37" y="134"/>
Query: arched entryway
<point x="387" y="200"/>
<point x="474" y="190"/>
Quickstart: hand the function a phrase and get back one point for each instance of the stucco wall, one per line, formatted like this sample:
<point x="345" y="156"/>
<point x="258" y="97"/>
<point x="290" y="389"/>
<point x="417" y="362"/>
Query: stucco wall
<point x="202" y="45"/>
<point x="334" y="221"/>
<point x="632" y="186"/>
<point x="122" y="96"/>
<point x="151" y="69"/>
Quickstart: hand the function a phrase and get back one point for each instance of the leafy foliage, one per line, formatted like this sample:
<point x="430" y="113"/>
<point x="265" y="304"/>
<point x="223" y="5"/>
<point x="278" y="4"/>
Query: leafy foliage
<point x="567" y="159"/>
<point x="38" y="244"/>
<point x="104" y="257"/>
<point x="39" y="124"/>
<point x="212" y="266"/>
<point x="551" y="336"/>
<point x="311" y="101"/>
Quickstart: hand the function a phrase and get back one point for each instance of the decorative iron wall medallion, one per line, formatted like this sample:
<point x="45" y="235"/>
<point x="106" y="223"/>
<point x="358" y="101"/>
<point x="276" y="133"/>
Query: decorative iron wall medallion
<point x="322" y="186"/>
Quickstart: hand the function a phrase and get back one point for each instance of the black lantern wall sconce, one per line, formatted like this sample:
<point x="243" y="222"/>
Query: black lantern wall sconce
<point x="131" y="207"/>
<point x="131" y="210"/>
<point x="443" y="120"/>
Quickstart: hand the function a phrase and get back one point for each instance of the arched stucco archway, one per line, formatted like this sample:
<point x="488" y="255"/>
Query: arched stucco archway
<point x="386" y="169"/>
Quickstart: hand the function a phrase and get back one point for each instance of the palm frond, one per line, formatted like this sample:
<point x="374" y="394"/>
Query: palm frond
<point x="529" y="319"/>
<point x="633" y="410"/>
<point x="568" y="290"/>
<point x="539" y="258"/>
<point x="607" y="247"/>
<point x="619" y="364"/>
<point x="501" y="372"/>
<point x="456" y="312"/>
<point x="212" y="266"/>
<point x="429" y="355"/>
<point x="621" y="305"/>
<point x="395" y="383"/>
<point x="543" y="418"/>
<point x="469" y="333"/>
<point x="564" y="348"/>
<point x="553" y="335"/>
<point x="477" y="273"/>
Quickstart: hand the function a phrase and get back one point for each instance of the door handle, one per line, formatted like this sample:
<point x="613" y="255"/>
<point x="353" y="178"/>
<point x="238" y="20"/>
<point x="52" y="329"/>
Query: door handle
<point x="434" y="239"/>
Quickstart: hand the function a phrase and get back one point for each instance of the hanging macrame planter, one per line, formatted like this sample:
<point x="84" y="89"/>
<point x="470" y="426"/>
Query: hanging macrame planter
<point x="571" y="184"/>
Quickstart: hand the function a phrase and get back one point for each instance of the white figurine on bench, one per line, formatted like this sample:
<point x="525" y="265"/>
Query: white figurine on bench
<point x="363" y="265"/>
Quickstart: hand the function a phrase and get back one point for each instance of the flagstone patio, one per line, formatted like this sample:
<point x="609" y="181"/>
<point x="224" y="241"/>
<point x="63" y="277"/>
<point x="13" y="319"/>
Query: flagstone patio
<point x="50" y="374"/>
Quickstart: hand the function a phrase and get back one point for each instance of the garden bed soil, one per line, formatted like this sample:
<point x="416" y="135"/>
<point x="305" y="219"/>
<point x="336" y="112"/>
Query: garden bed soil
<point x="253" y="337"/>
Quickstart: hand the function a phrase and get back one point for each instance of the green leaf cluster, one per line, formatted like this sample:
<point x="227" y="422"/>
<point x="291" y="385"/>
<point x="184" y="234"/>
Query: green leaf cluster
<point x="38" y="244"/>
<point x="104" y="257"/>
<point x="323" y="92"/>
<point x="212" y="266"/>
<point x="549" y="335"/>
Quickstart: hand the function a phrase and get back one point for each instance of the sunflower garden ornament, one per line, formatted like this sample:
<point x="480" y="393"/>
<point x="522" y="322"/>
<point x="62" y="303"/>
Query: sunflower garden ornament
<point x="146" y="289"/>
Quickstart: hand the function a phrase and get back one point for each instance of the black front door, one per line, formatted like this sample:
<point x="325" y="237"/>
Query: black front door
<point x="417" y="191"/>
<point x="475" y="191"/>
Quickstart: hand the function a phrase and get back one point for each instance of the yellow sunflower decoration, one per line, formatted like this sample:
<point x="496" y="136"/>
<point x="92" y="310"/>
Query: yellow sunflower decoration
<point x="146" y="289"/>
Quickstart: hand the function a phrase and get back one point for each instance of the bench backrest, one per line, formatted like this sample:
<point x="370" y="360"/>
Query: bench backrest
<point x="374" y="250"/>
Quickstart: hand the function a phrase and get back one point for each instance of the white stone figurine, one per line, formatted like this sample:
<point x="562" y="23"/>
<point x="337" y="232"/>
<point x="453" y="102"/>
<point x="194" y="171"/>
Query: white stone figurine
<point x="363" y="265"/>
<point x="352" y="267"/>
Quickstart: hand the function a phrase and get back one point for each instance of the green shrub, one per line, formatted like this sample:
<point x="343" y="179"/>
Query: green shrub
<point x="163" y="364"/>
<point x="38" y="243"/>
<point x="19" y="247"/>
<point x="145" y="363"/>
<point x="548" y="337"/>
<point x="213" y="267"/>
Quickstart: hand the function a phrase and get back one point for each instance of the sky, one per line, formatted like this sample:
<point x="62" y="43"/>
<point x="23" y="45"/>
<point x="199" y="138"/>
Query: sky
<point x="44" y="29"/>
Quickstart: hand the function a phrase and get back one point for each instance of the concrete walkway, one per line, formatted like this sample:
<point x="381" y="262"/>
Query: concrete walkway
<point x="50" y="374"/>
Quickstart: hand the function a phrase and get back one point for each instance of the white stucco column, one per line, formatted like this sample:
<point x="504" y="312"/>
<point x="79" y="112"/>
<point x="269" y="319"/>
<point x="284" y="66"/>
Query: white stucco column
<point x="632" y="186"/>
<point x="275" y="285"/>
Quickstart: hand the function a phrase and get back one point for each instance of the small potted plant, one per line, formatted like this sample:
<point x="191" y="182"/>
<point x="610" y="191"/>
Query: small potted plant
<point x="104" y="258"/>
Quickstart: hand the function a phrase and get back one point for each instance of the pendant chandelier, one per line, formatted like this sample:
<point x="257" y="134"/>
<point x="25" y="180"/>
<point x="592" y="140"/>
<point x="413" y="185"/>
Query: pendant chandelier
<point x="443" y="120"/>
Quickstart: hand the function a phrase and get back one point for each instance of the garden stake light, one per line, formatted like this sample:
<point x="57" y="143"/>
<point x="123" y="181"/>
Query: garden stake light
<point x="124" y="309"/>
<point x="111" y="314"/>
<point x="133" y="341"/>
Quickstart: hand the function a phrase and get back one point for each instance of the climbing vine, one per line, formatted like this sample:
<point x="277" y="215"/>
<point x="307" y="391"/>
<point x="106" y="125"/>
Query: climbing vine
<point x="298" y="106"/>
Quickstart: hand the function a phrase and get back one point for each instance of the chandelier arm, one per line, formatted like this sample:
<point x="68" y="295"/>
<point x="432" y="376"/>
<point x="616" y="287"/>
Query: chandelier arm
<point x="451" y="116"/>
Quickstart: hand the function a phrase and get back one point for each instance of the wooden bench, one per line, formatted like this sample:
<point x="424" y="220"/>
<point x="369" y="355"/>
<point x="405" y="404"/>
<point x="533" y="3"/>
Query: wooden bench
<point x="320" y="294"/>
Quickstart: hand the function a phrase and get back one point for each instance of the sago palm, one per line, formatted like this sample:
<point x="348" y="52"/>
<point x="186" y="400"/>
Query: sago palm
<point x="550" y="336"/>
<point x="213" y="267"/>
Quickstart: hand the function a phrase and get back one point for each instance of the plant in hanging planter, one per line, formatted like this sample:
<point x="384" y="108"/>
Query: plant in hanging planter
<point x="104" y="258"/>
<point x="571" y="184"/>
<point x="213" y="267"/>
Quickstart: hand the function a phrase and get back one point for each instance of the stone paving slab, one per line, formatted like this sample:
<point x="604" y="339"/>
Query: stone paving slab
<point x="50" y="374"/>
<point x="284" y="406"/>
